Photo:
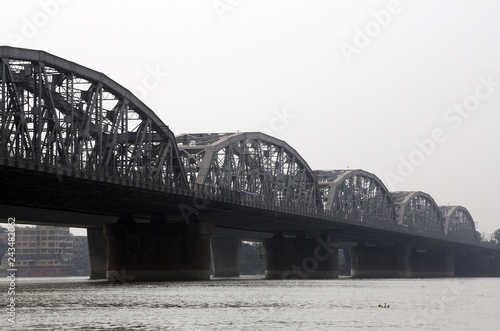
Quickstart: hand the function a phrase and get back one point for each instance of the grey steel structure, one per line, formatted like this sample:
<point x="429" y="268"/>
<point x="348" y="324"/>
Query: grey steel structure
<point x="418" y="211"/>
<point x="60" y="117"/>
<point x="356" y="195"/>
<point x="89" y="146"/>
<point x="261" y="168"/>
<point x="458" y="222"/>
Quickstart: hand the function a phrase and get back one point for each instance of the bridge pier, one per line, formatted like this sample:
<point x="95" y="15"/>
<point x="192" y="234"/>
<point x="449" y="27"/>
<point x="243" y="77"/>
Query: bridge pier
<point x="158" y="251"/>
<point x="226" y="256"/>
<point x="474" y="264"/>
<point x="495" y="265"/>
<point x="431" y="264"/>
<point x="305" y="258"/>
<point x="97" y="252"/>
<point x="379" y="262"/>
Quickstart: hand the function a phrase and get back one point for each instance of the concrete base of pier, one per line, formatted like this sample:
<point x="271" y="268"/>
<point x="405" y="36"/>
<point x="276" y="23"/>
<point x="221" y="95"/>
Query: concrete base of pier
<point x="495" y="265"/>
<point x="226" y="256"/>
<point x="379" y="262"/>
<point x="431" y="264"/>
<point x="473" y="264"/>
<point x="158" y="251"/>
<point x="303" y="258"/>
<point x="400" y="262"/>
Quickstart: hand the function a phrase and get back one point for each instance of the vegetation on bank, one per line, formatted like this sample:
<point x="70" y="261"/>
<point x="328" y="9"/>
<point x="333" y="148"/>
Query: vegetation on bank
<point x="496" y="236"/>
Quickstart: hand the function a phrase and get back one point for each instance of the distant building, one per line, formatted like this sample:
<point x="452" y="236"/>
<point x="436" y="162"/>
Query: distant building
<point x="44" y="247"/>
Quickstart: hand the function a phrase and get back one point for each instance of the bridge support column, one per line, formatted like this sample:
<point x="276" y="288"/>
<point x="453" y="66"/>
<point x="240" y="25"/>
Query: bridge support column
<point x="301" y="257"/>
<point x="226" y="255"/>
<point x="97" y="252"/>
<point x="431" y="264"/>
<point x="495" y="266"/>
<point x="379" y="262"/>
<point x="158" y="251"/>
<point x="473" y="264"/>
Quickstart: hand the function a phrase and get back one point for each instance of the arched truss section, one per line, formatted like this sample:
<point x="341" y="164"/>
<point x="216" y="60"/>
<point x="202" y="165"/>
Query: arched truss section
<point x="356" y="195"/>
<point x="260" y="167"/>
<point x="59" y="115"/>
<point x="418" y="211"/>
<point x="458" y="222"/>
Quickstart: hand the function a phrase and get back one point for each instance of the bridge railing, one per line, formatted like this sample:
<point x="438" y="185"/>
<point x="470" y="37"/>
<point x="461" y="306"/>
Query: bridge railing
<point x="250" y="199"/>
<point x="103" y="176"/>
<point x="253" y="200"/>
<point x="242" y="198"/>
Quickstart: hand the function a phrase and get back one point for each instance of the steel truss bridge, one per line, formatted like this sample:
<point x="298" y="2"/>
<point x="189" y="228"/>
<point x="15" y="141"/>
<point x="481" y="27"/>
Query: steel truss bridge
<point x="78" y="149"/>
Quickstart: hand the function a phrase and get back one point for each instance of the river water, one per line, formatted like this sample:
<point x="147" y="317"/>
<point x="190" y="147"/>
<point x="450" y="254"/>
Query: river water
<point x="252" y="303"/>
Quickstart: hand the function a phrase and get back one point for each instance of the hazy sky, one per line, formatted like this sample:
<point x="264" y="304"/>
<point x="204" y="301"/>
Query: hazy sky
<point x="407" y="90"/>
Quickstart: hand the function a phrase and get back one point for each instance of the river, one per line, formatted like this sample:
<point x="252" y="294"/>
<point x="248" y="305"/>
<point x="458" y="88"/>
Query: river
<point x="253" y="303"/>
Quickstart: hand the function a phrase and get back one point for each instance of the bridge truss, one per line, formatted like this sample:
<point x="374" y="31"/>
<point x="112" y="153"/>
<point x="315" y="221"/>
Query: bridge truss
<point x="258" y="167"/>
<point x="418" y="211"/>
<point x="64" y="119"/>
<point x="458" y="222"/>
<point x="60" y="117"/>
<point x="357" y="195"/>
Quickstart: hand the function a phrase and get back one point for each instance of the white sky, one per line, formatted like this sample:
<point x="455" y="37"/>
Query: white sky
<point x="229" y="65"/>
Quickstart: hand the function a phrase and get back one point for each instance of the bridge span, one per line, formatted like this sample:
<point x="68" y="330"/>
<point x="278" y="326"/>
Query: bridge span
<point x="77" y="149"/>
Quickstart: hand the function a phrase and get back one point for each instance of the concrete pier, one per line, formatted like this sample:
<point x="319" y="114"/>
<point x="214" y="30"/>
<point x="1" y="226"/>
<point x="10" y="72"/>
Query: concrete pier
<point x="475" y="264"/>
<point x="158" y="251"/>
<point x="304" y="258"/>
<point x="431" y="263"/>
<point x="226" y="256"/>
<point x="379" y="262"/>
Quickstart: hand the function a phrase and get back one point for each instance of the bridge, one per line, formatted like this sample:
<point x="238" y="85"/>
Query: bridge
<point x="77" y="149"/>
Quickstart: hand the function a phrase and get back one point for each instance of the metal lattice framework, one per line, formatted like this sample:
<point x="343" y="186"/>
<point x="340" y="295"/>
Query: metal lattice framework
<point x="356" y="195"/>
<point x="61" y="118"/>
<point x="418" y="211"/>
<point x="458" y="222"/>
<point x="259" y="167"/>
<point x="68" y="119"/>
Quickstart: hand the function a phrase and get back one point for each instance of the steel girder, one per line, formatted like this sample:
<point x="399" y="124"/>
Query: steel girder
<point x="418" y="211"/>
<point x="458" y="222"/>
<point x="356" y="195"/>
<point x="260" y="168"/>
<point x="61" y="116"/>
